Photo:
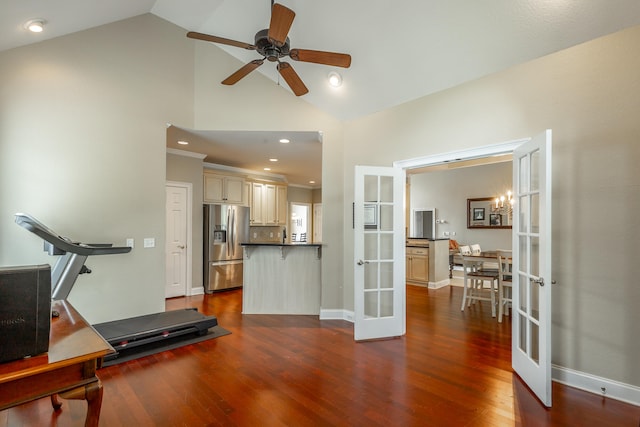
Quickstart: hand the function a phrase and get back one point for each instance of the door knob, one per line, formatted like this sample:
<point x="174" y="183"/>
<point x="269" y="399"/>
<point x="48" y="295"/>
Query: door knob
<point x="361" y="262"/>
<point x="539" y="281"/>
<point x="181" y="246"/>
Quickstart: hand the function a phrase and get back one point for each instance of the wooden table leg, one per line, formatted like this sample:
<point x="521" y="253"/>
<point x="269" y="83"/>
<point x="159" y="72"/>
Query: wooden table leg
<point x="92" y="393"/>
<point x="55" y="402"/>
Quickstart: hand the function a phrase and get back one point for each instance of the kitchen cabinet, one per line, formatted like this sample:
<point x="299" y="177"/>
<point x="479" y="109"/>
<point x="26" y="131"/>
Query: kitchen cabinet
<point x="427" y="262"/>
<point x="281" y="203"/>
<point x="268" y="204"/>
<point x="224" y="189"/>
<point x="417" y="265"/>
<point x="256" y="216"/>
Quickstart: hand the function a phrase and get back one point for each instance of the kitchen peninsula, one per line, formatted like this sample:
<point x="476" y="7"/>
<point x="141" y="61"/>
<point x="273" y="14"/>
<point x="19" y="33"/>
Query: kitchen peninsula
<point x="281" y="278"/>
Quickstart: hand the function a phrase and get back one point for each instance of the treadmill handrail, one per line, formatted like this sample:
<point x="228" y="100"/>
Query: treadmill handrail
<point x="41" y="230"/>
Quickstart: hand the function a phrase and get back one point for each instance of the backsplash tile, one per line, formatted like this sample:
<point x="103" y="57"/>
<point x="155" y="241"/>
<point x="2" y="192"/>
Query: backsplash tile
<point x="265" y="234"/>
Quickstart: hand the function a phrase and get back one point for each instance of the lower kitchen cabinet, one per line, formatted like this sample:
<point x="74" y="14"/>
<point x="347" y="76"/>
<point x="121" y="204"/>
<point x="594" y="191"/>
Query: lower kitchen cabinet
<point x="417" y="265"/>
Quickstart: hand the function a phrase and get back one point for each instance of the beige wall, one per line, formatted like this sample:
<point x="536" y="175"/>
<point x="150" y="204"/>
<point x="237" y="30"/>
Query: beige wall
<point x="82" y="148"/>
<point x="588" y="95"/>
<point x="299" y="195"/>
<point x="447" y="191"/>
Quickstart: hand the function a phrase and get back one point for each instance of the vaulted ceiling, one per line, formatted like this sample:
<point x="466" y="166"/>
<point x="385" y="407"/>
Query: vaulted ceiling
<point x="401" y="50"/>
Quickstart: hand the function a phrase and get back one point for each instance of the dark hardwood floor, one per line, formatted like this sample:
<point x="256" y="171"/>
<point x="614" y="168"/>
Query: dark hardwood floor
<point x="451" y="369"/>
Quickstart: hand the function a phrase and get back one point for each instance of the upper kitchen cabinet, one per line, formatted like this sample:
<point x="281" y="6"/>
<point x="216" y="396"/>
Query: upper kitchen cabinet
<point x="268" y="204"/>
<point x="224" y="189"/>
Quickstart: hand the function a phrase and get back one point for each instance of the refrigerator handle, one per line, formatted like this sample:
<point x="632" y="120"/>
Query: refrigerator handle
<point x="232" y="226"/>
<point x="228" y="230"/>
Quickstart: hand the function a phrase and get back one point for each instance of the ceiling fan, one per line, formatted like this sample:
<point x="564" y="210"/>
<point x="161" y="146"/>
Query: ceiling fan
<point x="273" y="44"/>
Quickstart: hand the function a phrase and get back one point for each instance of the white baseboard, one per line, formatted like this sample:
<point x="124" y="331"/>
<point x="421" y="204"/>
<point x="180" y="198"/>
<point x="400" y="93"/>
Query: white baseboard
<point x="597" y="385"/>
<point x="197" y="291"/>
<point x="440" y="284"/>
<point x="336" y="314"/>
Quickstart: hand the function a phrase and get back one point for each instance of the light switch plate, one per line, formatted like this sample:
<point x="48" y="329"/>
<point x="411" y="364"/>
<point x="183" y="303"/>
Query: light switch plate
<point x="149" y="242"/>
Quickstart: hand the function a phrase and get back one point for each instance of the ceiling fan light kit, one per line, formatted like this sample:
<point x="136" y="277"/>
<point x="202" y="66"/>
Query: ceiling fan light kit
<point x="335" y="79"/>
<point x="274" y="45"/>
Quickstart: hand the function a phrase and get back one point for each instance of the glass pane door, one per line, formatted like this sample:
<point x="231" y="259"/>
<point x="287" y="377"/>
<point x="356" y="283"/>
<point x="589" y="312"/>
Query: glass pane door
<point x="379" y="257"/>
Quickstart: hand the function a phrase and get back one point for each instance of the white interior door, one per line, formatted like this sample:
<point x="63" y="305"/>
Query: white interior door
<point x="176" y="241"/>
<point x="531" y="346"/>
<point x="379" y="270"/>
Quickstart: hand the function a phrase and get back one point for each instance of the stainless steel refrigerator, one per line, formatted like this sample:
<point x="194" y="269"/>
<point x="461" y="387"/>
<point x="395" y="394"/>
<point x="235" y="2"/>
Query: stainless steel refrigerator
<point x="226" y="227"/>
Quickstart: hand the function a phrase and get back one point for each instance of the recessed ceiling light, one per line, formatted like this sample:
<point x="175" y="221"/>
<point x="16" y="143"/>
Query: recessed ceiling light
<point x="284" y="141"/>
<point x="267" y="169"/>
<point x="183" y="142"/>
<point x="35" y="25"/>
<point x="312" y="182"/>
<point x="335" y="79"/>
<point x="273" y="160"/>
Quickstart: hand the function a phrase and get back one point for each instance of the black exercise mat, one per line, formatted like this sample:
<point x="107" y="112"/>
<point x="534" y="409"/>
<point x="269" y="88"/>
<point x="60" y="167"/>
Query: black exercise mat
<point x="164" y="345"/>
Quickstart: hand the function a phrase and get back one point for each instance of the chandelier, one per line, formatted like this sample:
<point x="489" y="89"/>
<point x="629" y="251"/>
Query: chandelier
<point x="503" y="205"/>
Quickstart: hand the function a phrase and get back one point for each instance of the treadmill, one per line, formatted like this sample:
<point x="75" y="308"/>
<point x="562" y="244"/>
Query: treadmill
<point x="128" y="336"/>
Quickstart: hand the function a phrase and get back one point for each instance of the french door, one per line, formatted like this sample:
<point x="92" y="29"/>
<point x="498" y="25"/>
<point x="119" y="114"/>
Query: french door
<point x="379" y="282"/>
<point x="532" y="284"/>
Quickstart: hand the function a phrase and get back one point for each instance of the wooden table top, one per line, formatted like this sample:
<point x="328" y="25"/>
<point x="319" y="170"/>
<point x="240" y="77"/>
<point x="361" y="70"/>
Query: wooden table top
<point x="71" y="340"/>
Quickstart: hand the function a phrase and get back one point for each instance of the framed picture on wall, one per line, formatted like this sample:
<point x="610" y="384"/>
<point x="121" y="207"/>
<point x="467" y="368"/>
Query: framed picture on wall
<point x="495" y="219"/>
<point x="478" y="214"/>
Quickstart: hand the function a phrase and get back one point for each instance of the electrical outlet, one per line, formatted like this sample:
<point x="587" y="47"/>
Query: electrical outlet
<point x="149" y="242"/>
<point x="453" y="233"/>
<point x="255" y="235"/>
<point x="130" y="242"/>
<point x="446" y="233"/>
<point x="271" y="234"/>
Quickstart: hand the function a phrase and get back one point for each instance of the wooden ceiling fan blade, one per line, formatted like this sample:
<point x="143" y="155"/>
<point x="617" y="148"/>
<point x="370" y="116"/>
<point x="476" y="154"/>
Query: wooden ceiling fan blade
<point x="281" y="20"/>
<point x="321" y="57"/>
<point x="221" y="40"/>
<point x="291" y="77"/>
<point x="242" y="72"/>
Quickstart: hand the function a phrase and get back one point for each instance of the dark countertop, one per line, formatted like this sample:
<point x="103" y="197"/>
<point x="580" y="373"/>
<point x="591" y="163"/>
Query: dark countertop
<point x="428" y="240"/>
<point x="418" y="242"/>
<point x="281" y="244"/>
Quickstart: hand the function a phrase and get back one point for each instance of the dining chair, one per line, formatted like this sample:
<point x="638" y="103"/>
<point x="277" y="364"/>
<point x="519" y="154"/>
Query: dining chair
<point x="474" y="284"/>
<point x="464" y="250"/>
<point x="487" y="267"/>
<point x="505" y="281"/>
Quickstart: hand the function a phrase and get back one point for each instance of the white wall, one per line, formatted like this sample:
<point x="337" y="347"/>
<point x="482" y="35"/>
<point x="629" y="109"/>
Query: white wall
<point x="588" y="95"/>
<point x="82" y="148"/>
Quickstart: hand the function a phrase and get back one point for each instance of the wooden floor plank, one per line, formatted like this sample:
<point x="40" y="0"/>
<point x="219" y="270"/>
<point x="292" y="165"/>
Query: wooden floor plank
<point x="452" y="368"/>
